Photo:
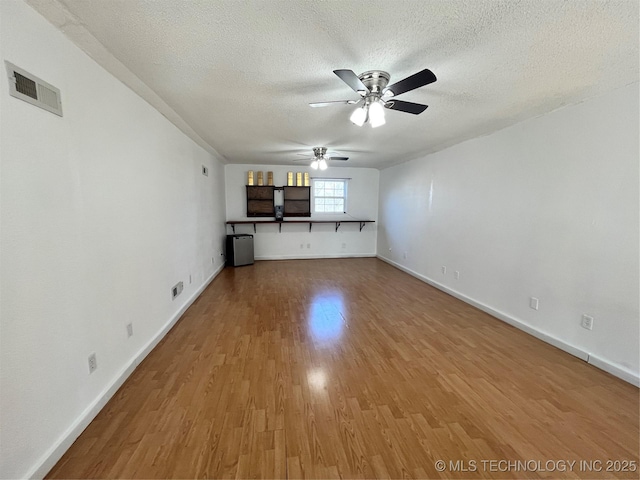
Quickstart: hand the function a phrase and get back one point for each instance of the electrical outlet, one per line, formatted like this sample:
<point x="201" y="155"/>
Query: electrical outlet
<point x="129" y="329"/>
<point x="205" y="171"/>
<point x="444" y="270"/>
<point x="93" y="363"/>
<point x="587" y="322"/>
<point x="404" y="255"/>
<point x="308" y="245"/>
<point x="456" y="275"/>
<point x="301" y="245"/>
<point x="344" y="245"/>
<point x="533" y="303"/>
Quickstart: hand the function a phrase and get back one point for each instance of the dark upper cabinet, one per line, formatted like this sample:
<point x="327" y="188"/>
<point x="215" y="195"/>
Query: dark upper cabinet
<point x="297" y="201"/>
<point x="260" y="201"/>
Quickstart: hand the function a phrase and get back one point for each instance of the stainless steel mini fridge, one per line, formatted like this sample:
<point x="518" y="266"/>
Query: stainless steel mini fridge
<point x="239" y="250"/>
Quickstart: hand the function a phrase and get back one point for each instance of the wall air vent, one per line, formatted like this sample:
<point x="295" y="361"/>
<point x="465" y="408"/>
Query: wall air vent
<point x="177" y="290"/>
<point x="33" y="90"/>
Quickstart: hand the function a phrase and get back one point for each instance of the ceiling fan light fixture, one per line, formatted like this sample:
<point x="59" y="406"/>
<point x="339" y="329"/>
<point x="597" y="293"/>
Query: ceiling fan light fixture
<point x="322" y="164"/>
<point x="314" y="164"/>
<point x="373" y="88"/>
<point x="376" y="114"/>
<point x="379" y="121"/>
<point x="359" y="116"/>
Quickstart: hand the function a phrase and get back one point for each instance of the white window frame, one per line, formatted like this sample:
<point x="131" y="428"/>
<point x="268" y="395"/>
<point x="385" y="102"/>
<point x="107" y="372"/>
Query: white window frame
<point x="344" y="181"/>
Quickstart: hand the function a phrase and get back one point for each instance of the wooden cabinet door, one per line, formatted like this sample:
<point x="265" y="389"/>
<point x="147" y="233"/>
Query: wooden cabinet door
<point x="297" y="201"/>
<point x="260" y="201"/>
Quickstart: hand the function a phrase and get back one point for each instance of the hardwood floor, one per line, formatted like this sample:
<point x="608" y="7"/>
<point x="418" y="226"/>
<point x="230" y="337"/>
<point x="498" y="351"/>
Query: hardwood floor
<point x="352" y="368"/>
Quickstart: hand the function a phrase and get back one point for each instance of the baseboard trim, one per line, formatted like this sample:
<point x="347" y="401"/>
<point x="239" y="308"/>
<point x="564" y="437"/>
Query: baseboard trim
<point x="597" y="362"/>
<point x="54" y="454"/>
<point x="614" y="370"/>
<point x="309" y="257"/>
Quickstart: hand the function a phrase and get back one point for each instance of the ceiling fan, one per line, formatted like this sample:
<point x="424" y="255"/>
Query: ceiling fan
<point x="375" y="94"/>
<point x="320" y="157"/>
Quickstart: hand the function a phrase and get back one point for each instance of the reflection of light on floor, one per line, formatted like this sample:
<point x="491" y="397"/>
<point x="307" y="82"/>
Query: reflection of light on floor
<point x="325" y="318"/>
<point x="317" y="379"/>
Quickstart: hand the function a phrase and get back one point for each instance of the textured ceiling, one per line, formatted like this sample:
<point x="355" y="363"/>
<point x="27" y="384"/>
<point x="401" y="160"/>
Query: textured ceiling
<point x="238" y="75"/>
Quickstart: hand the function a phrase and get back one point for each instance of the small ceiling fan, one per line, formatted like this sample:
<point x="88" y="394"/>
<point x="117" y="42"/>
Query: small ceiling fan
<point x="320" y="157"/>
<point x="375" y="94"/>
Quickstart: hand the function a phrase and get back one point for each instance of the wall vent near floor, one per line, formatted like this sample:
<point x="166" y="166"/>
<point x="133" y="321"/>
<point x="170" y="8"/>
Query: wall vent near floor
<point x="33" y="90"/>
<point x="177" y="290"/>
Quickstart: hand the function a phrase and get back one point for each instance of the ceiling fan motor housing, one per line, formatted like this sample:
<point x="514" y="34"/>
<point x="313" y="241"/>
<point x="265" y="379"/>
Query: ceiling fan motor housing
<point x="375" y="80"/>
<point x="319" y="151"/>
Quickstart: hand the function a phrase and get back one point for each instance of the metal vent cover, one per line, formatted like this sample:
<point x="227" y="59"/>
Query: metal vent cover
<point x="31" y="89"/>
<point x="26" y="86"/>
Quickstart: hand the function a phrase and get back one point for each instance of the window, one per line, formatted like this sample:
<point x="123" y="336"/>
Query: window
<point x="329" y="196"/>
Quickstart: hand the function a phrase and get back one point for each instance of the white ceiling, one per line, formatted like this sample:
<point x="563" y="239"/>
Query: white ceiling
<point x="238" y="75"/>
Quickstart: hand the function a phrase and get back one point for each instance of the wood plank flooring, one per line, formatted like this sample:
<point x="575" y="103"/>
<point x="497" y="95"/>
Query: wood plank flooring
<point x="351" y="368"/>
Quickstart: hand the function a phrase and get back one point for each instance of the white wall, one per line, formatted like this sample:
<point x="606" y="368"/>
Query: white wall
<point x="545" y="208"/>
<point x="103" y="211"/>
<point x="296" y="241"/>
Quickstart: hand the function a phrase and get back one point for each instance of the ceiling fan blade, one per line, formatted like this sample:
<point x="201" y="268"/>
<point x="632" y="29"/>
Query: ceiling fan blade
<point x="417" y="80"/>
<point x="337" y="102"/>
<point x="351" y="79"/>
<point x="408" y="107"/>
<point x="338" y="158"/>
